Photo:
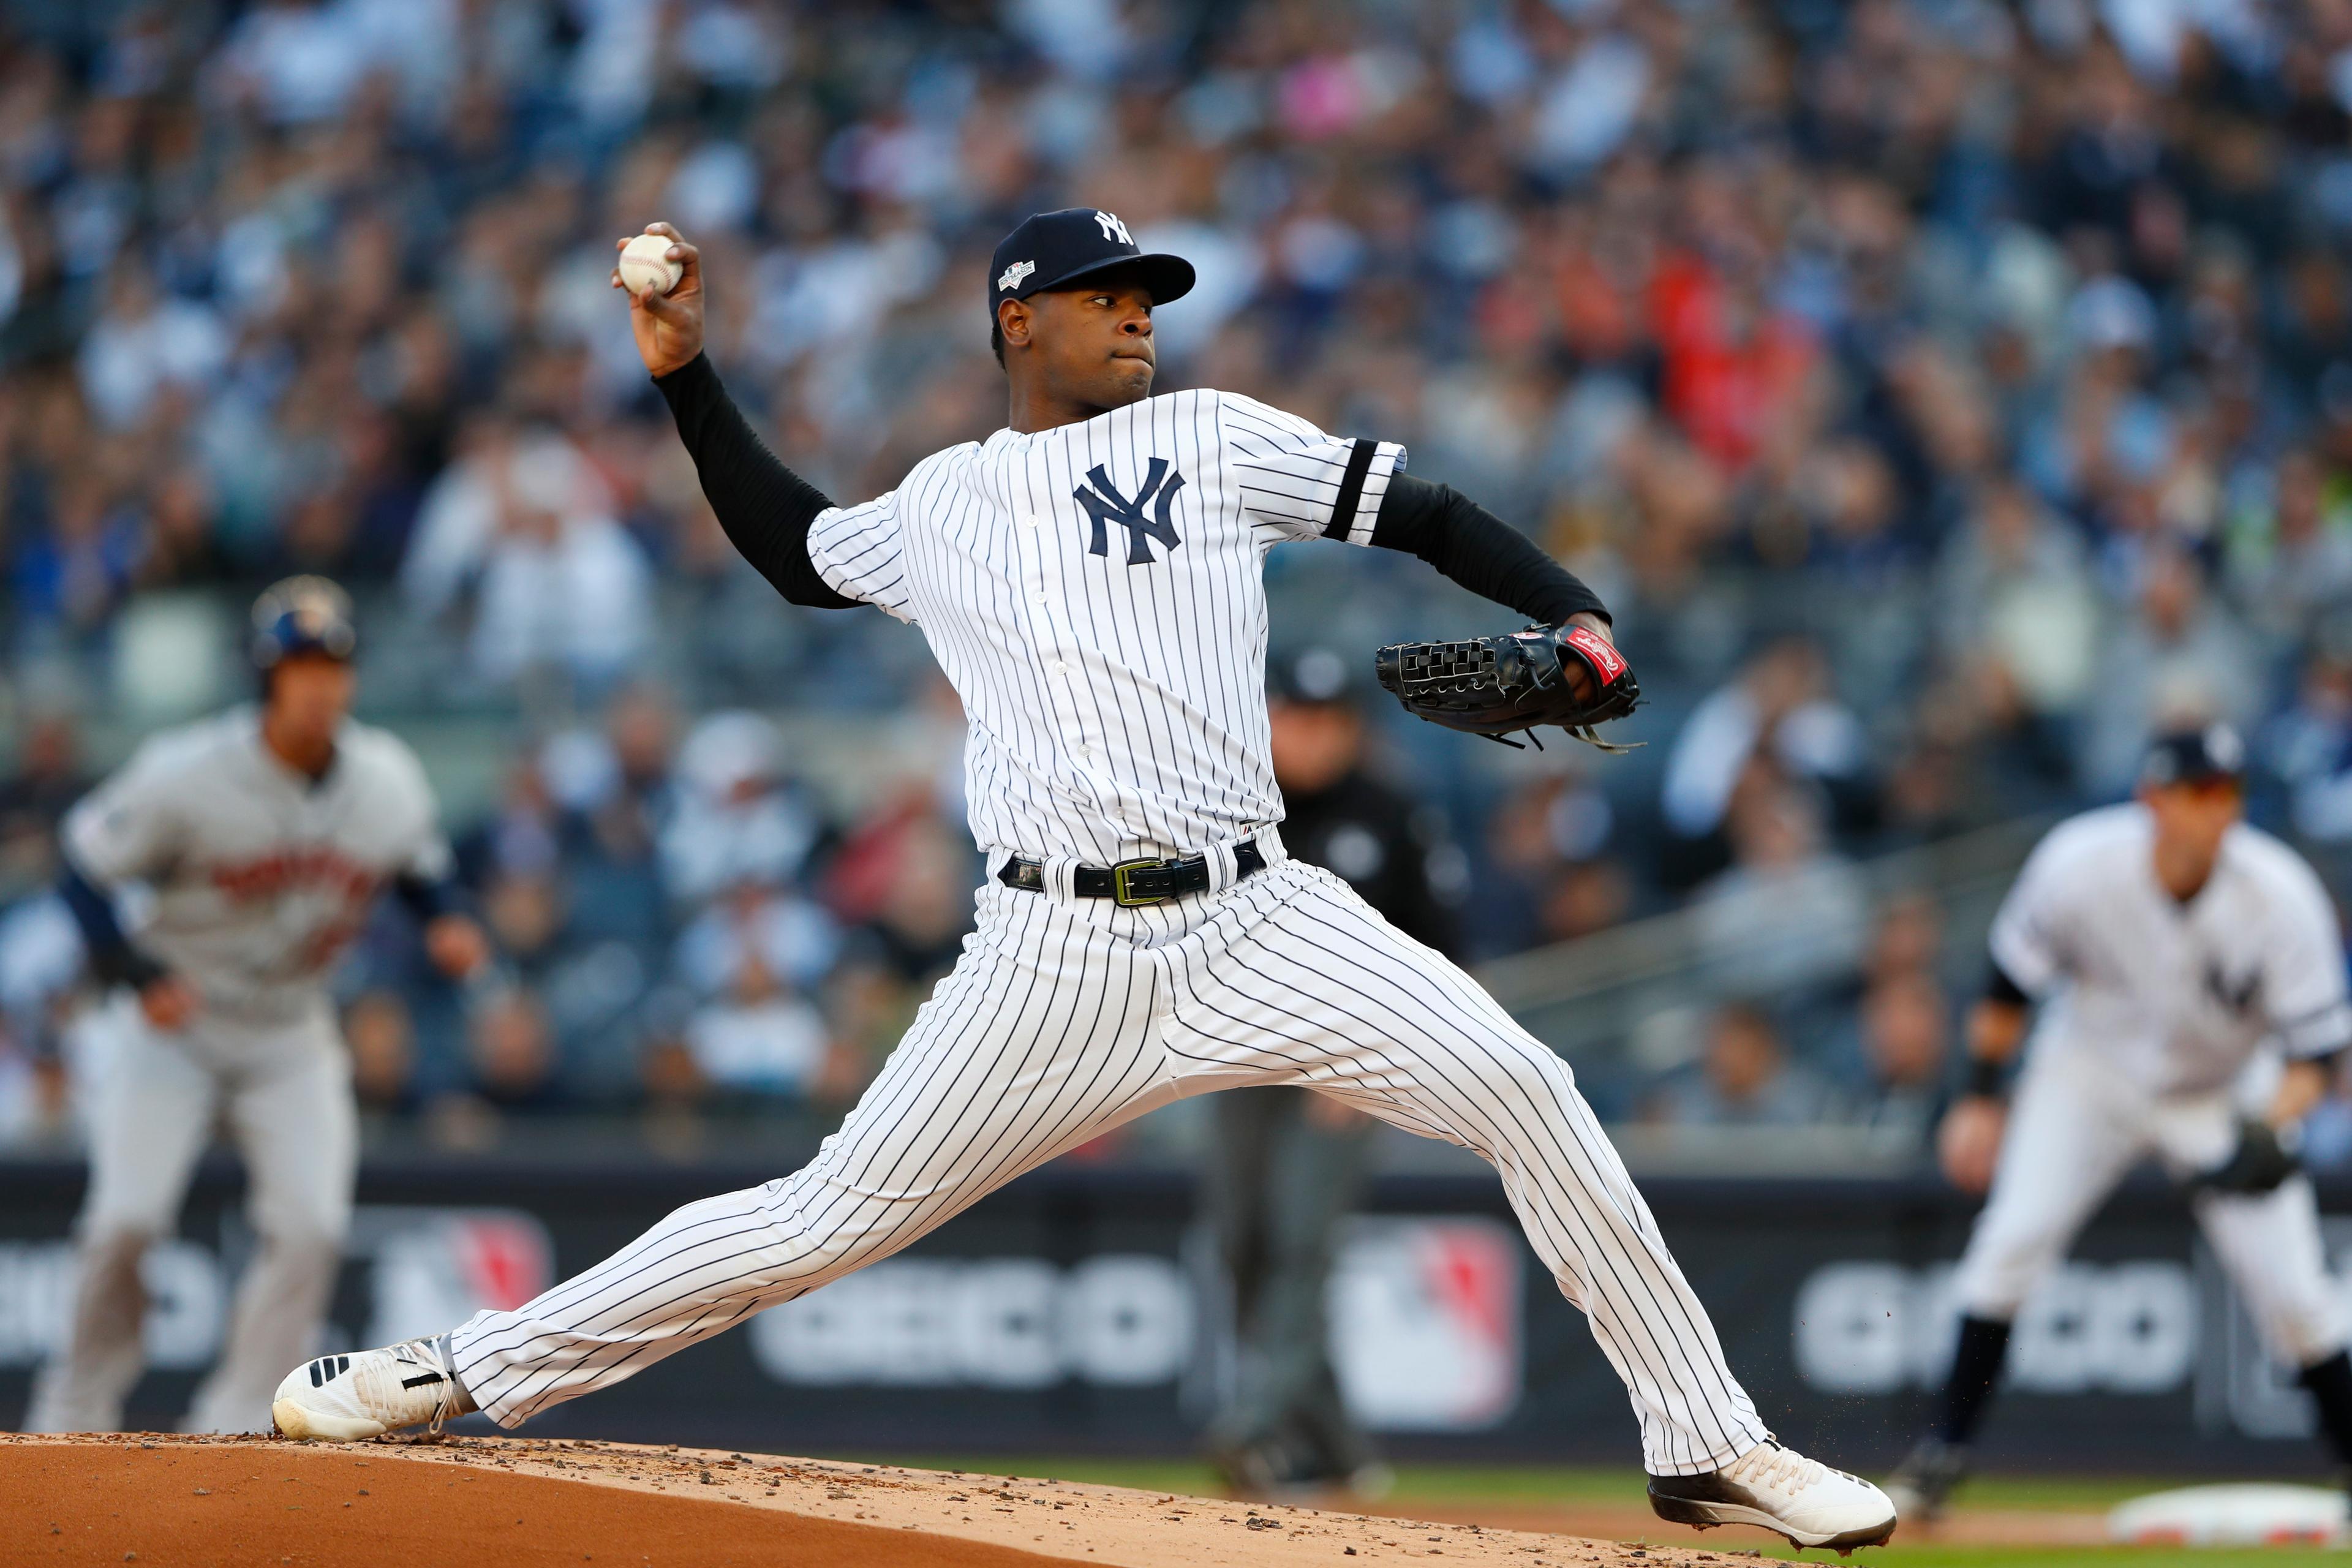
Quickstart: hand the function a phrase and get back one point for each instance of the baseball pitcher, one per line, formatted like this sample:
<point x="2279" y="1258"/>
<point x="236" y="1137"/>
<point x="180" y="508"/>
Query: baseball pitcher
<point x="263" y="836"/>
<point x="1089" y="579"/>
<point x="2158" y="948"/>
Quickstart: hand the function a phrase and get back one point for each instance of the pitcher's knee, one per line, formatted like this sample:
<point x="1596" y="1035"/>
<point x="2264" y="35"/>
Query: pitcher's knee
<point x="1526" y="1071"/>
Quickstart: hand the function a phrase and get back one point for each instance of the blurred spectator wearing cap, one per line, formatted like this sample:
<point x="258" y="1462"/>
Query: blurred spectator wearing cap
<point x="1288" y="1163"/>
<point x="1779" y="709"/>
<point x="1743" y="1078"/>
<point x="526" y="524"/>
<point x="738" y="816"/>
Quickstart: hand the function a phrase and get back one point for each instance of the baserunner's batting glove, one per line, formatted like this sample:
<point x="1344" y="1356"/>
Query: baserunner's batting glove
<point x="2258" y="1164"/>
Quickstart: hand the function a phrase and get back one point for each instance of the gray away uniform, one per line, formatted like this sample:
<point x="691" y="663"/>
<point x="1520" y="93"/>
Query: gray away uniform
<point x="260" y="877"/>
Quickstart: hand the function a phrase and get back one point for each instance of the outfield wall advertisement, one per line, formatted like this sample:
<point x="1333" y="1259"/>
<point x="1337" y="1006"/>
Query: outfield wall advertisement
<point x="1074" y="1312"/>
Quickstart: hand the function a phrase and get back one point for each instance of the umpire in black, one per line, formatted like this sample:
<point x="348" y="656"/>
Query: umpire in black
<point x="1286" y="1165"/>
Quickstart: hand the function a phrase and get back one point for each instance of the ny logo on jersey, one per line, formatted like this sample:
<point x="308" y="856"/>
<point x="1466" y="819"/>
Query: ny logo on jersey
<point x="1112" y="228"/>
<point x="1106" y="505"/>
<point x="2235" y="997"/>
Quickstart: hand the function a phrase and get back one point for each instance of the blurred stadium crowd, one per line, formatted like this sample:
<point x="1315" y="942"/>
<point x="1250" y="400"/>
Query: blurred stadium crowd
<point x="1942" y="393"/>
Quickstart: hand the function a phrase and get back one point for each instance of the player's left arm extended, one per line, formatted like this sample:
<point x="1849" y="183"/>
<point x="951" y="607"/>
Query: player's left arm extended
<point x="1486" y="555"/>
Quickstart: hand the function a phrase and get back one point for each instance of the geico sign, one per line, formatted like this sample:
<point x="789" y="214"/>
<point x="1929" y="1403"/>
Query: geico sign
<point x="1875" y="1328"/>
<point x="999" y="1322"/>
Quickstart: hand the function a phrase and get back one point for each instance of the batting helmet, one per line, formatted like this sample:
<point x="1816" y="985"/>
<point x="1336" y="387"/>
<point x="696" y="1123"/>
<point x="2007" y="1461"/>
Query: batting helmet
<point x="302" y="615"/>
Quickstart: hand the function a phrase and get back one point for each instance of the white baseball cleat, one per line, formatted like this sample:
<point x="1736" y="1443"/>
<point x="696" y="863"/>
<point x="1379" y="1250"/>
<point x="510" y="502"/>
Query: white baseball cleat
<point x="1782" y="1490"/>
<point x="342" y="1398"/>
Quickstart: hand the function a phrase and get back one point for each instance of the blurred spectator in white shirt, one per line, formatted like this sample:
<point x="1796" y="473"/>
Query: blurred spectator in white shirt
<point x="1790" y="913"/>
<point x="525" y="523"/>
<point x="143" y="343"/>
<point x="2017" y="610"/>
<point x="737" y="819"/>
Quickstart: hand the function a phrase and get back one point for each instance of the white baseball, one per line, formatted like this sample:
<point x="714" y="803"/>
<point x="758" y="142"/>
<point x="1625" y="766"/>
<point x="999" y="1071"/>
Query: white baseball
<point x="646" y="264"/>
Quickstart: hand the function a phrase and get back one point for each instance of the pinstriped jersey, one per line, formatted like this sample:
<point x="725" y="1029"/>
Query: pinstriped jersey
<point x="260" y="877"/>
<point x="2175" y="995"/>
<point x="1095" y="595"/>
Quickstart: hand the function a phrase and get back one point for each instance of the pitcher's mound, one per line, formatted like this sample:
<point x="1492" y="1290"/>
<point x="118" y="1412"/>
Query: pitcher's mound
<point x="516" y="1501"/>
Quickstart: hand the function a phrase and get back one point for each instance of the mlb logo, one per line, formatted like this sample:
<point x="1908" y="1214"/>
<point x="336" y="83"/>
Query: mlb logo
<point x="1425" y="1323"/>
<point x="432" y="1267"/>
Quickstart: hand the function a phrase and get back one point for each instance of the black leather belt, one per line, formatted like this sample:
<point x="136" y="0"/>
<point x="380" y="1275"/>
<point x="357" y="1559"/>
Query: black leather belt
<point x="1133" y="883"/>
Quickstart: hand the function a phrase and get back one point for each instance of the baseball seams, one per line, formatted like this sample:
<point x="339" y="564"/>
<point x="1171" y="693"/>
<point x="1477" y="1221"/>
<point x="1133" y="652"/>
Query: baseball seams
<point x="1066" y="1018"/>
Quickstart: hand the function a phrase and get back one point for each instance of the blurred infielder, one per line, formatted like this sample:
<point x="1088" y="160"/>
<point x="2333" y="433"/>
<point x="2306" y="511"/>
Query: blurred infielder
<point x="263" y="835"/>
<point x="1090" y="581"/>
<point x="2163" y="948"/>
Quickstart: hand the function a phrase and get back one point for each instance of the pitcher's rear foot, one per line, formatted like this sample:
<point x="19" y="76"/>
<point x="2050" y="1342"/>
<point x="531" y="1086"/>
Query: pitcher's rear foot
<point x="1782" y="1490"/>
<point x="365" y="1393"/>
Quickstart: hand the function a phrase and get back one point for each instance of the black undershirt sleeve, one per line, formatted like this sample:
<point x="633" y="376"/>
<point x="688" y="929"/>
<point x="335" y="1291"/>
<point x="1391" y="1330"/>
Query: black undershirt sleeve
<point x="428" y="898"/>
<point x="765" y="508"/>
<point x="1480" y="551"/>
<point x="113" y="958"/>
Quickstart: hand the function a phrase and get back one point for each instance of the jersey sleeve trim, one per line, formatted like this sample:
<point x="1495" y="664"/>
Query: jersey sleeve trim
<point x="2322" y="1033"/>
<point x="1357" y="511"/>
<point x="1351" y="490"/>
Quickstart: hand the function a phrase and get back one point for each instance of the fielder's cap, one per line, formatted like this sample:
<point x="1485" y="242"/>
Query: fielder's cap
<point x="1062" y="250"/>
<point x="1313" y="674"/>
<point x="302" y="615"/>
<point x="2194" y="756"/>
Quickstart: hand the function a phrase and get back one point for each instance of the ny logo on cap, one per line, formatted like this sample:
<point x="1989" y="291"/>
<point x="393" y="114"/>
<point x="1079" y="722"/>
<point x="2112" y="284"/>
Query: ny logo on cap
<point x="1012" y="276"/>
<point x="1106" y="505"/>
<point x="1113" y="229"/>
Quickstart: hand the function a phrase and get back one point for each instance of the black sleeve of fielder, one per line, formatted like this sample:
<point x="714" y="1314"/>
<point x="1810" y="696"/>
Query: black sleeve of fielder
<point x="113" y="958"/>
<point x="765" y="508"/>
<point x="1471" y="545"/>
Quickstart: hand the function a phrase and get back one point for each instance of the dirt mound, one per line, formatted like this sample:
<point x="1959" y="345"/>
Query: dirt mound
<point x="204" y="1501"/>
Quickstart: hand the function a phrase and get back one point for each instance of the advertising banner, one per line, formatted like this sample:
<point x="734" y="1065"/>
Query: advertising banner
<point x="1074" y="1312"/>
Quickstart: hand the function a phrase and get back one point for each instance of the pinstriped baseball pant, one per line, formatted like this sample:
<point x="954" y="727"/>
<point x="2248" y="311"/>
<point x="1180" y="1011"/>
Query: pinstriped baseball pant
<point x="1065" y="1017"/>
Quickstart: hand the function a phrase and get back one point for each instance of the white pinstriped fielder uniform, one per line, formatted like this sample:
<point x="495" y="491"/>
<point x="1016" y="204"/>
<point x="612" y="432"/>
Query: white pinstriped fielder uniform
<point x="1093" y="593"/>
<point x="2155" y="1016"/>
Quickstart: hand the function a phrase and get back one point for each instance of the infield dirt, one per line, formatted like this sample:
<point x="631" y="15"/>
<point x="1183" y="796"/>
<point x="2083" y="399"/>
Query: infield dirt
<point x="157" y="1500"/>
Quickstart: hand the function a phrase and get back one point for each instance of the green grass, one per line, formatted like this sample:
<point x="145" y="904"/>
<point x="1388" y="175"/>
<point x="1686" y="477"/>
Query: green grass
<point x="1457" y="1487"/>
<point x="1457" y="1484"/>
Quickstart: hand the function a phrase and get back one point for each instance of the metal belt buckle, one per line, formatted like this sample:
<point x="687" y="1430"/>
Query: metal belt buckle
<point x="1119" y="875"/>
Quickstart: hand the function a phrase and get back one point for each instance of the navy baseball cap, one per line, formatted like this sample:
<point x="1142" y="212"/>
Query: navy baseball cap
<point x="2213" y="754"/>
<point x="1061" y="250"/>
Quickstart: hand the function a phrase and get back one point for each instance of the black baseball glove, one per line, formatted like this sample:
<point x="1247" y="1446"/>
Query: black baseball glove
<point x="1497" y="686"/>
<point x="2259" y="1163"/>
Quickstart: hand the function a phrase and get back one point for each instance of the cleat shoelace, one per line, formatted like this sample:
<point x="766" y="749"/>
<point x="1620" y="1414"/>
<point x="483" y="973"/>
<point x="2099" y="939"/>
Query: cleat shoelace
<point x="1782" y="1470"/>
<point x="426" y="1354"/>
